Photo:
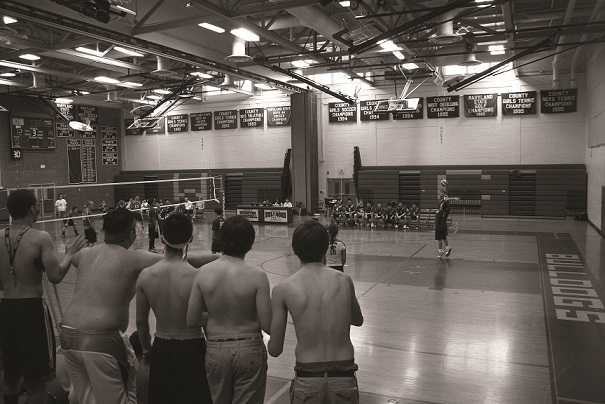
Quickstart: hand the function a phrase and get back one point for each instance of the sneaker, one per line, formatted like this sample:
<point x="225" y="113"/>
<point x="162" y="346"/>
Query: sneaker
<point x="448" y="252"/>
<point x="440" y="253"/>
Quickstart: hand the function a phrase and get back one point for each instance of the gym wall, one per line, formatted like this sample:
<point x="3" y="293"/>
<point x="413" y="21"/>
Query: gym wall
<point x="212" y="149"/>
<point x="528" y="140"/>
<point x="48" y="166"/>
<point x="595" y="124"/>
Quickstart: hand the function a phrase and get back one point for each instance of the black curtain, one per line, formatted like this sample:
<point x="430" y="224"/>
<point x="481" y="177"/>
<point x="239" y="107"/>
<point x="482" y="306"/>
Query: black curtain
<point x="356" y="169"/>
<point x="286" y="178"/>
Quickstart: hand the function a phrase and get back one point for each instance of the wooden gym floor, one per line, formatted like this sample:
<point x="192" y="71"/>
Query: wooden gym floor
<point x="468" y="329"/>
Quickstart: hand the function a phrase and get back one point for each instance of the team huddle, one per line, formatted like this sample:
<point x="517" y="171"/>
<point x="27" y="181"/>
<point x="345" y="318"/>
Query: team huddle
<point x="208" y="345"/>
<point x="393" y="215"/>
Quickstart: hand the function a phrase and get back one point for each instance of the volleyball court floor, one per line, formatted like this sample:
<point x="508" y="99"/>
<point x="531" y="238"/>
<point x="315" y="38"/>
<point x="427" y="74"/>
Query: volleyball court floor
<point x="468" y="329"/>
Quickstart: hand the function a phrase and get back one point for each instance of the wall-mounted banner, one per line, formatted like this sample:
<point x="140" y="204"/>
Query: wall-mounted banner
<point x="88" y="155"/>
<point x="225" y="119"/>
<point x="342" y="112"/>
<point x="177" y="123"/>
<point x="201" y="121"/>
<point x="88" y="114"/>
<point x="559" y="101"/>
<point x="523" y="103"/>
<point x="367" y="111"/>
<point x="278" y="116"/>
<point x="447" y="106"/>
<point x="74" y="160"/>
<point x="404" y="115"/>
<point x="62" y="128"/>
<point x="158" y="129"/>
<point x="252" y="118"/>
<point x="480" y="105"/>
<point x="109" y="132"/>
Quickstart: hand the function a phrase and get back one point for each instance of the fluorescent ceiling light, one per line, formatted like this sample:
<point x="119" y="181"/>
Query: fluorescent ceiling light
<point x="263" y="86"/>
<point x="197" y="98"/>
<point x="409" y="66"/>
<point x="82" y="92"/>
<point x="495" y="48"/>
<point x="8" y="20"/>
<point x="63" y="100"/>
<point x="124" y="9"/>
<point x="300" y="64"/>
<point x="202" y="75"/>
<point x="162" y="91"/>
<point x="389" y="46"/>
<point x="245" y="34"/>
<point x="399" y="55"/>
<point x="106" y="80"/>
<point x="29" y="56"/>
<point x="128" y="52"/>
<point x="131" y="84"/>
<point x="211" y="88"/>
<point x="154" y="97"/>
<point x="496" y="53"/>
<point x="8" y="74"/>
<point x="345" y="3"/>
<point x="90" y="51"/>
<point x="212" y="27"/>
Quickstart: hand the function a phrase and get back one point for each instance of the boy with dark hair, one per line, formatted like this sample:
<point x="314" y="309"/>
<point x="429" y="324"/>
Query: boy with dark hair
<point x="176" y="359"/>
<point x="236" y="298"/>
<point x="94" y="349"/>
<point x="26" y="336"/>
<point x="323" y="306"/>
<point x="217" y="225"/>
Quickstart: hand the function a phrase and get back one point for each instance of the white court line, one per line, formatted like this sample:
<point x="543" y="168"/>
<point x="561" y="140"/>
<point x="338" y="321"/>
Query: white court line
<point x="278" y="394"/>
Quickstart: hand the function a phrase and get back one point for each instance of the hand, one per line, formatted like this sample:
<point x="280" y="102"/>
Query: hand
<point x="76" y="245"/>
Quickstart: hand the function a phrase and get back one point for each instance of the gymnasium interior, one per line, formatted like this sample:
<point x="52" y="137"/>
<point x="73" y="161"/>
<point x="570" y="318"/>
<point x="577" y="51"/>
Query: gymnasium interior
<point x="280" y="110"/>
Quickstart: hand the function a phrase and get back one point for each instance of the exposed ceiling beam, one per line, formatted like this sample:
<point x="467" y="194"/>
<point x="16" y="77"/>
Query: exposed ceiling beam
<point x="148" y="14"/>
<point x="163" y="26"/>
<point x="274" y="6"/>
<point x="48" y="19"/>
<point x="397" y="31"/>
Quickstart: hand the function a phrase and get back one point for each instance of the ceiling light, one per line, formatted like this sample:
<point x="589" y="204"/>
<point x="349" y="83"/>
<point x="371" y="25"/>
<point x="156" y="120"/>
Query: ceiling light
<point x="162" y="91"/>
<point x="212" y="27"/>
<point x="82" y="92"/>
<point x="211" y="88"/>
<point x="128" y="52"/>
<point x="90" y="51"/>
<point x="389" y="46"/>
<point x="245" y="34"/>
<point x="301" y="64"/>
<point x="124" y="9"/>
<point x="29" y="56"/>
<point x="496" y="53"/>
<point x="409" y="66"/>
<point x="399" y="55"/>
<point x="345" y="3"/>
<point x="197" y="98"/>
<point x="202" y="75"/>
<point x="63" y="100"/>
<point x="106" y="80"/>
<point x="131" y="84"/>
<point x="80" y="126"/>
<point x="263" y="86"/>
<point x="495" y="48"/>
<point x="7" y="74"/>
<point x="8" y="20"/>
<point x="187" y="94"/>
<point x="154" y="97"/>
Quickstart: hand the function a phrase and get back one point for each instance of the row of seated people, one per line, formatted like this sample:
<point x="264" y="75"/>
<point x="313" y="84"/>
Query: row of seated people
<point x="399" y="216"/>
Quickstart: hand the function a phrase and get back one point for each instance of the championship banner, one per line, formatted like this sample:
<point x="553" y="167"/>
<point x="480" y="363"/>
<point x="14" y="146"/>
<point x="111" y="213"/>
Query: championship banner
<point x="275" y="216"/>
<point x="251" y="214"/>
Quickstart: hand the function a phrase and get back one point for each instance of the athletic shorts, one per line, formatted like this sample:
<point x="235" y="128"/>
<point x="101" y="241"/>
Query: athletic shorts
<point x="27" y="340"/>
<point x="440" y="234"/>
<point x="177" y="373"/>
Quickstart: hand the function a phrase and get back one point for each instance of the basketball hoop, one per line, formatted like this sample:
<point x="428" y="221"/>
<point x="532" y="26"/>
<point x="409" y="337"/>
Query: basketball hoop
<point x="397" y="105"/>
<point x="144" y="123"/>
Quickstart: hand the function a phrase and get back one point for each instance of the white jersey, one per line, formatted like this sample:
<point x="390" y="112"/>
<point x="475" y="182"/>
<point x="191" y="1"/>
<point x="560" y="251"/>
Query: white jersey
<point x="334" y="254"/>
<point x="61" y="205"/>
<point x="188" y="205"/>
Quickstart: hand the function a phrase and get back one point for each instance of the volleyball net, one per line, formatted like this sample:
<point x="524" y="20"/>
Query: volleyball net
<point x="57" y="203"/>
